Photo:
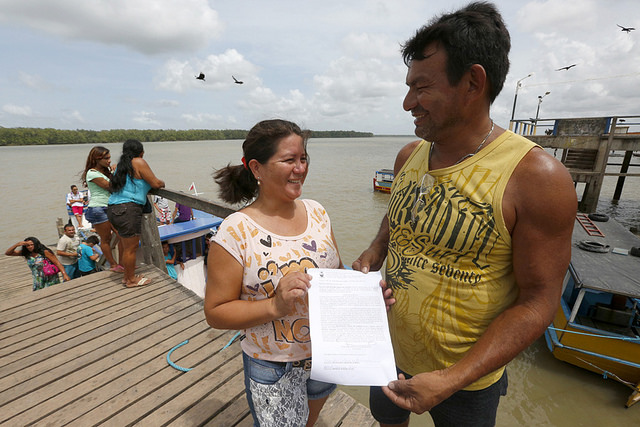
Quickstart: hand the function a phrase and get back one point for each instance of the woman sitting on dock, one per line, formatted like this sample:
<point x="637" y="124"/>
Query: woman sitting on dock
<point x="97" y="177"/>
<point x="130" y="184"/>
<point x="256" y="272"/>
<point x="35" y="253"/>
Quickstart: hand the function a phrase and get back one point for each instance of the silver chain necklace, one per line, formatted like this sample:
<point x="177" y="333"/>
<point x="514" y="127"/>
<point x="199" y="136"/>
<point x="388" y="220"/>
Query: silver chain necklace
<point x="466" y="156"/>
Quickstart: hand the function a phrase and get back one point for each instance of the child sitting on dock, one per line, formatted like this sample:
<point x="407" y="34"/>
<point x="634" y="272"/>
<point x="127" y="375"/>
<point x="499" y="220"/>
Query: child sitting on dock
<point x="88" y="257"/>
<point x="170" y="260"/>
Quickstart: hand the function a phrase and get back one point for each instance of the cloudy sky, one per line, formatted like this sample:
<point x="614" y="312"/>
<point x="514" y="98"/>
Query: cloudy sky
<point x="331" y="64"/>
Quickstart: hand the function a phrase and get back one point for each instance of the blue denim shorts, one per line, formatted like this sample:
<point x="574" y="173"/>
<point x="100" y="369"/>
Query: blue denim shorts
<point x="463" y="408"/>
<point x="96" y="214"/>
<point x="269" y="382"/>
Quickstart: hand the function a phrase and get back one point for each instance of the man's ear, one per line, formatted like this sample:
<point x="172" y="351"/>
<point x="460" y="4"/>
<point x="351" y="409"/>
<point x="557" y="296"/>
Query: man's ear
<point x="478" y="84"/>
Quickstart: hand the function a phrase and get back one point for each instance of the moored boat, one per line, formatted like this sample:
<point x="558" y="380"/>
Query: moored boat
<point x="597" y="326"/>
<point x="189" y="240"/>
<point x="382" y="180"/>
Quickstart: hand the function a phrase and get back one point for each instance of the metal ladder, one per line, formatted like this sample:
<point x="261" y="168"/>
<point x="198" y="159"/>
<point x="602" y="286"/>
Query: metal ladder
<point x="589" y="226"/>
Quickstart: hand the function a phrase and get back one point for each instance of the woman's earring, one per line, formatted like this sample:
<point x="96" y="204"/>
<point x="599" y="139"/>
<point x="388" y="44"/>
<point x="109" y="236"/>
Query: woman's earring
<point x="258" y="179"/>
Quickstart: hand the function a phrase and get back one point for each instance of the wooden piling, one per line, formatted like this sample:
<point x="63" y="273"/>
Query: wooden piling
<point x="580" y="138"/>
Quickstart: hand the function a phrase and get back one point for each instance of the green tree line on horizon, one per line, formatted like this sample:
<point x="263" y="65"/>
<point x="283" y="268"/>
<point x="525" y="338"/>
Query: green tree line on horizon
<point x="49" y="136"/>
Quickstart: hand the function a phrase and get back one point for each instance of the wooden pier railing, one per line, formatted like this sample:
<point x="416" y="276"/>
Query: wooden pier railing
<point x="150" y="239"/>
<point x="587" y="144"/>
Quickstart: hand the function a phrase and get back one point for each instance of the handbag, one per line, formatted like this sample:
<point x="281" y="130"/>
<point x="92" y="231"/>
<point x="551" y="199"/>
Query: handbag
<point x="49" y="268"/>
<point x="147" y="208"/>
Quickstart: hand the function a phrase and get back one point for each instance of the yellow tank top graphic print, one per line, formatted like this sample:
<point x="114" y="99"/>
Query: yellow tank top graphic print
<point x="449" y="258"/>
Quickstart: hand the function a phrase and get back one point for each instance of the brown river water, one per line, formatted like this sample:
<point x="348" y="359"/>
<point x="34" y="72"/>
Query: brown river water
<point x="543" y="391"/>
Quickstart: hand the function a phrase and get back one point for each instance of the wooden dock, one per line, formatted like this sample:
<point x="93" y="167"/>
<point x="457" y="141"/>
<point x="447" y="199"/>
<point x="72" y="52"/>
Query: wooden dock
<point x="586" y="145"/>
<point x="89" y="352"/>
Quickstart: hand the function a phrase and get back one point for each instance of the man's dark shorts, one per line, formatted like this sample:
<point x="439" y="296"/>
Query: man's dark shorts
<point x="464" y="408"/>
<point x="126" y="218"/>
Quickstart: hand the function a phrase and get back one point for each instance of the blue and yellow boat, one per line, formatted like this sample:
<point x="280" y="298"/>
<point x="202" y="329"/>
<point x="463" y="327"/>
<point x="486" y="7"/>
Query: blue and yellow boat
<point x="597" y="326"/>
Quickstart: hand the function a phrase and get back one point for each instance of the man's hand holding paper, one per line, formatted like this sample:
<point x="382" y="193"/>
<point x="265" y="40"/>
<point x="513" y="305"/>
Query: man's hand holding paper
<point x="350" y="337"/>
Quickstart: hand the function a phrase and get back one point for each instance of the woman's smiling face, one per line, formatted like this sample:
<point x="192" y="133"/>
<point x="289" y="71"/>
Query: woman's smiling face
<point x="284" y="173"/>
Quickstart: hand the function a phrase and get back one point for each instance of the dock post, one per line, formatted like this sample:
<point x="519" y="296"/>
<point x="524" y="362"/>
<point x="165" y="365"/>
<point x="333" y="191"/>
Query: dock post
<point x="60" y="227"/>
<point x="623" y="169"/>
<point x="151" y="246"/>
<point x="590" y="200"/>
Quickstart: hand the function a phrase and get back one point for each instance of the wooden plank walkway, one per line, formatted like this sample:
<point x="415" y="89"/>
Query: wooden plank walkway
<point x="91" y="352"/>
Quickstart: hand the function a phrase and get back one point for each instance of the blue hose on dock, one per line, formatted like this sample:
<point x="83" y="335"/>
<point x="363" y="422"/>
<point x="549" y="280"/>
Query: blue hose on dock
<point x="232" y="339"/>
<point x="173" y="365"/>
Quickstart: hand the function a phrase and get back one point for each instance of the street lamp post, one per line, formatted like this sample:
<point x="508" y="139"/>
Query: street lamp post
<point x="535" y="126"/>
<point x="515" y="98"/>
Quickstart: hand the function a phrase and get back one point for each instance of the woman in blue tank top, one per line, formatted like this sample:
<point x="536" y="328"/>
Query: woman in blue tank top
<point x="130" y="184"/>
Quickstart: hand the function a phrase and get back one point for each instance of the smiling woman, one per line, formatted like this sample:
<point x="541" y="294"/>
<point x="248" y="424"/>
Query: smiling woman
<point x="256" y="272"/>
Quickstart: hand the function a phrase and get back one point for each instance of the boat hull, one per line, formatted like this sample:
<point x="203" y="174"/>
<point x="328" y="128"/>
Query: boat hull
<point x="593" y="349"/>
<point x="382" y="186"/>
<point x="597" y="326"/>
<point x="382" y="180"/>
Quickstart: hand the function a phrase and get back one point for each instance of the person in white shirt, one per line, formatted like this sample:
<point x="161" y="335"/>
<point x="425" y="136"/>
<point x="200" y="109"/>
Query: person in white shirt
<point x="67" y="251"/>
<point x="75" y="200"/>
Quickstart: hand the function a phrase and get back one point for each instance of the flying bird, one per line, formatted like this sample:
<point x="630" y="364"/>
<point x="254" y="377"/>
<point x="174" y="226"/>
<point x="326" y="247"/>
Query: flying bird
<point x="236" y="81"/>
<point x="200" y="77"/>
<point x="626" y="29"/>
<point x="567" y="67"/>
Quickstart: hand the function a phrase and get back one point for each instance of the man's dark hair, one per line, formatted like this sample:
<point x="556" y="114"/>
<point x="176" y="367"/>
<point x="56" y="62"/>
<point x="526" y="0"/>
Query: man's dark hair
<point x="475" y="34"/>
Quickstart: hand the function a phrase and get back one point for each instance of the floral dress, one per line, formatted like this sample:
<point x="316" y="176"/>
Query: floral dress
<point x="40" y="281"/>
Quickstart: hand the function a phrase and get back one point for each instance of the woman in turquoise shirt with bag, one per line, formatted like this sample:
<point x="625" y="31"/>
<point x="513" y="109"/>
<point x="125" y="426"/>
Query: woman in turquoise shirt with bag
<point x="130" y="184"/>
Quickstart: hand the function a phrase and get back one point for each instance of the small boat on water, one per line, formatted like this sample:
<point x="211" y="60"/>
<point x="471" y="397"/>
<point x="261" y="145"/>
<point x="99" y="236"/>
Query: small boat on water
<point x="189" y="241"/>
<point x="597" y="326"/>
<point x="382" y="180"/>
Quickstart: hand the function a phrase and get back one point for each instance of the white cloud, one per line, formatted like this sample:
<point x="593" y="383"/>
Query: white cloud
<point x="169" y="103"/>
<point x="33" y="81"/>
<point x="202" y="118"/>
<point x="329" y="65"/>
<point x="563" y="32"/>
<point x="147" y="26"/>
<point x="17" y="110"/>
<point x="178" y="76"/>
<point x="74" y="116"/>
<point x="146" y="118"/>
<point x="559" y="15"/>
<point x="368" y="45"/>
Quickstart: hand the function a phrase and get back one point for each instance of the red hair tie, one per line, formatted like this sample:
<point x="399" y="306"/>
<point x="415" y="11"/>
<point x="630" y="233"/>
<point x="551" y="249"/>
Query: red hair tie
<point x="244" y="162"/>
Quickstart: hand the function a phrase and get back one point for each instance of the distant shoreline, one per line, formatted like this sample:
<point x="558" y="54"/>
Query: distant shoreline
<point x="50" y="136"/>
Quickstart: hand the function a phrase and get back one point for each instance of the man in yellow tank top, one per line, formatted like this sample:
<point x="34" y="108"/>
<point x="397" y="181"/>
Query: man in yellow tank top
<point x="477" y="235"/>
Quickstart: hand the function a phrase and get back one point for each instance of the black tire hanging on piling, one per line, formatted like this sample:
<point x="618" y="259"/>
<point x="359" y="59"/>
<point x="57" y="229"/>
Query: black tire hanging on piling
<point x="598" y="217"/>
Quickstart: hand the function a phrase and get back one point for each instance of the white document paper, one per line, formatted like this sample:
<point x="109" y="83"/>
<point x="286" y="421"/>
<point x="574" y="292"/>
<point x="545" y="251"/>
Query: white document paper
<point x="350" y="339"/>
